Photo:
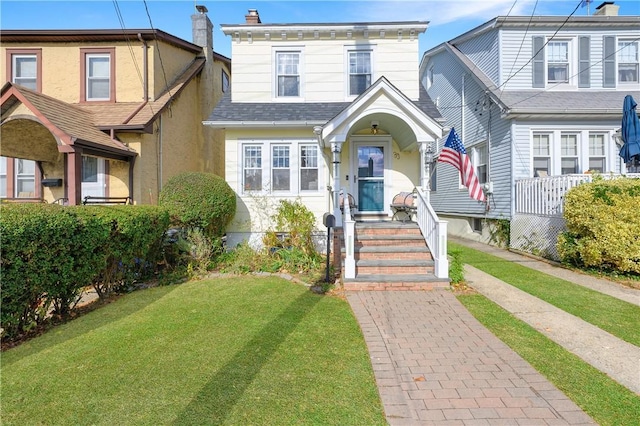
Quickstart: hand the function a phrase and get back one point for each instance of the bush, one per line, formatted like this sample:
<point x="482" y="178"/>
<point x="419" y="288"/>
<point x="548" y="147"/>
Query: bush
<point x="51" y="253"/>
<point x="199" y="200"/>
<point x="603" y="226"/>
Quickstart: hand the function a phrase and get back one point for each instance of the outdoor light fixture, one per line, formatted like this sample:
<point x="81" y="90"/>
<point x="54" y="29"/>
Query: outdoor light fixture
<point x="374" y="127"/>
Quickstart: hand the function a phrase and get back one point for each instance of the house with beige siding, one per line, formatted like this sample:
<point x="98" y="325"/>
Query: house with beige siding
<point x="107" y="113"/>
<point x="332" y="115"/>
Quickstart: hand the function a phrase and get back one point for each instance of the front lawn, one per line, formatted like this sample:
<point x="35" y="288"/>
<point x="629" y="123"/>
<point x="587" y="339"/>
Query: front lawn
<point x="241" y="350"/>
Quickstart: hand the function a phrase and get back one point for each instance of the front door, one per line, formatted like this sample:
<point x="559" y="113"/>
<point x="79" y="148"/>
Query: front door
<point x="93" y="179"/>
<point x="370" y="177"/>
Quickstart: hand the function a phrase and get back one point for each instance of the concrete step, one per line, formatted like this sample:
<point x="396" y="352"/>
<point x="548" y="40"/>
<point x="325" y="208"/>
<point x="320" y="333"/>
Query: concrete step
<point x="372" y="282"/>
<point x="399" y="252"/>
<point x="394" y="267"/>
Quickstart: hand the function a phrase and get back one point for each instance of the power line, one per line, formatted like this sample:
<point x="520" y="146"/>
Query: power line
<point x="126" y="37"/>
<point x="155" y="37"/>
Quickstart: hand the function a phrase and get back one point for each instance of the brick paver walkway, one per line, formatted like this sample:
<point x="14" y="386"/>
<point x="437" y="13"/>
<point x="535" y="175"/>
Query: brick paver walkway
<point x="436" y="364"/>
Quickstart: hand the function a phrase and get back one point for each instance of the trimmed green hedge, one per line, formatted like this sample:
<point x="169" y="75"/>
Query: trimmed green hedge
<point x="603" y="223"/>
<point x="51" y="253"/>
<point x="199" y="200"/>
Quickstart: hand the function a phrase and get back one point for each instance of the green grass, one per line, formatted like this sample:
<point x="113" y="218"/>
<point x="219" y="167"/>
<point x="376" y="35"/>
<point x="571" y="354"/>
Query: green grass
<point x="615" y="316"/>
<point x="242" y="350"/>
<point x="606" y="401"/>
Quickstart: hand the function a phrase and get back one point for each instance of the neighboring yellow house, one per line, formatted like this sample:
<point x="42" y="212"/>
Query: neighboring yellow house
<point x="107" y="113"/>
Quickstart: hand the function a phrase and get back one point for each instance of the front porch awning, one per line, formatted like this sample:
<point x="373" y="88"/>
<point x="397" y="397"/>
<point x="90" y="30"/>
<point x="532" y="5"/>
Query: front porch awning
<point x="409" y="122"/>
<point x="70" y="126"/>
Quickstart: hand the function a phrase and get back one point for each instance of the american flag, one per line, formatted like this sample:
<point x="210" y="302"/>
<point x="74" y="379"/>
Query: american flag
<point x="454" y="153"/>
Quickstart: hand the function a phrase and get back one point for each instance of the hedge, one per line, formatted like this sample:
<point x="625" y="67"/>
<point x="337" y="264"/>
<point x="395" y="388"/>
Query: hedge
<point x="603" y="226"/>
<point x="51" y="253"/>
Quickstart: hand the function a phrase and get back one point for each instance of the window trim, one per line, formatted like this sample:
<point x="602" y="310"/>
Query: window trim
<point x="10" y="53"/>
<point x="273" y="167"/>
<point x="477" y="164"/>
<point x="568" y="62"/>
<point x="549" y="156"/>
<point x="355" y="50"/>
<point x="631" y="41"/>
<point x="604" y="149"/>
<point x="284" y="49"/>
<point x="225" y="78"/>
<point x="266" y="147"/>
<point x="555" y="134"/>
<point x="12" y="177"/>
<point x="576" y="156"/>
<point x="301" y="168"/>
<point x="84" y="54"/>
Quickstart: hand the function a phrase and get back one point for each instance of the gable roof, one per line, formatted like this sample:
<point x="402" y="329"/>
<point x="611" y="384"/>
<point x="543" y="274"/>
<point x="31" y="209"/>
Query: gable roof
<point x="69" y="123"/>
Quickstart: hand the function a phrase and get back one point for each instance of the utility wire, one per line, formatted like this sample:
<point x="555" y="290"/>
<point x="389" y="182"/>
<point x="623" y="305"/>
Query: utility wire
<point x="155" y="37"/>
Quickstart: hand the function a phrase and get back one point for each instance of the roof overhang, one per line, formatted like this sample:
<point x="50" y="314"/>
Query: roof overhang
<point x="407" y="123"/>
<point x="260" y="124"/>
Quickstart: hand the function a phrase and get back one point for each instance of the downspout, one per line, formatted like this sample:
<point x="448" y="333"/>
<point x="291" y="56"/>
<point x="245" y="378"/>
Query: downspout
<point x="318" y="132"/>
<point x="145" y="71"/>
<point x="159" y="154"/>
<point x="462" y="102"/>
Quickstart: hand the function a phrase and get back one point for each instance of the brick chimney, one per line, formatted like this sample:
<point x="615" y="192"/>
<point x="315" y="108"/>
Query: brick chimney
<point x="253" y="17"/>
<point x="607" y="8"/>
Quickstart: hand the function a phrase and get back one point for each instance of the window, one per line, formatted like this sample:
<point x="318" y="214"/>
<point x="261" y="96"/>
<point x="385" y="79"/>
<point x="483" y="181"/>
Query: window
<point x="628" y="61"/>
<point x="288" y="74"/>
<point x="568" y="154"/>
<point x="541" y="155"/>
<point x="98" y="75"/>
<point x="359" y="72"/>
<point x="25" y="71"/>
<point x="24" y="67"/>
<point x="429" y="77"/>
<point x="481" y="162"/>
<point x="308" y="168"/>
<point x="89" y="169"/>
<point x="25" y="178"/>
<point x="252" y="179"/>
<point x="225" y="82"/>
<point x="3" y="177"/>
<point x="558" y="62"/>
<point x="597" y="154"/>
<point x="476" y="224"/>
<point x="280" y="170"/>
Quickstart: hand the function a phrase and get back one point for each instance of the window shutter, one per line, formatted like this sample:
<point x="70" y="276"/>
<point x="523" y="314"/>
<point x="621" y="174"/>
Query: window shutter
<point x="584" y="65"/>
<point x="609" y="61"/>
<point x="538" y="62"/>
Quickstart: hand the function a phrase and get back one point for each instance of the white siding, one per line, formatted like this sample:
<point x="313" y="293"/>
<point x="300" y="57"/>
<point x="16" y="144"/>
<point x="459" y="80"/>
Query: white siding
<point x="324" y="67"/>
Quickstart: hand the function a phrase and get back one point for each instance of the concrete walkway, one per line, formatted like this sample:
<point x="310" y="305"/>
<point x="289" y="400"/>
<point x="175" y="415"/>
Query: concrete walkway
<point x="435" y="364"/>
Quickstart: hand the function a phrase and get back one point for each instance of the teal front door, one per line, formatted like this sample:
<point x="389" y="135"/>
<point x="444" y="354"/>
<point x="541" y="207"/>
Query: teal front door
<point x="370" y="178"/>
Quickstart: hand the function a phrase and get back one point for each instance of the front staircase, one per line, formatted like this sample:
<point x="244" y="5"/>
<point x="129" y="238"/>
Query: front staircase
<point x="392" y="255"/>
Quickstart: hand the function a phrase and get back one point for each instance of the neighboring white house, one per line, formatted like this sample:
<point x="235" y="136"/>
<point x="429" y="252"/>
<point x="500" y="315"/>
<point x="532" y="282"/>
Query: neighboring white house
<point x="315" y="108"/>
<point x="531" y="96"/>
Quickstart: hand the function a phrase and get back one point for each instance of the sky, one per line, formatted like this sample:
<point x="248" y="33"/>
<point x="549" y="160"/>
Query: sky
<point x="447" y="18"/>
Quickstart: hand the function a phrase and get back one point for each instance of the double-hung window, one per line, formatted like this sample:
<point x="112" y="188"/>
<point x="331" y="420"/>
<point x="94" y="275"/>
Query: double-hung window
<point x="628" y="61"/>
<point x="98" y="75"/>
<point x="252" y="170"/>
<point x="25" y="67"/>
<point x="280" y="168"/>
<point x="288" y="74"/>
<point x="3" y="177"/>
<point x="359" y="71"/>
<point x="558" y="62"/>
<point x="481" y="162"/>
<point x="597" y="153"/>
<point x="541" y="154"/>
<point x="568" y="154"/>
<point x="225" y="82"/>
<point x="308" y="168"/>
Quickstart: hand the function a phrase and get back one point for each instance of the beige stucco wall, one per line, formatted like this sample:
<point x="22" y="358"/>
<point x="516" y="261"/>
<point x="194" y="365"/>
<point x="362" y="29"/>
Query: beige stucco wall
<point x="167" y="60"/>
<point x="118" y="180"/>
<point x="324" y="66"/>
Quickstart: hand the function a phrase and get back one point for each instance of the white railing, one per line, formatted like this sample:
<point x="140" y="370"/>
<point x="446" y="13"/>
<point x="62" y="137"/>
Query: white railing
<point x="544" y="196"/>
<point x="349" y="233"/>
<point x="435" y="234"/>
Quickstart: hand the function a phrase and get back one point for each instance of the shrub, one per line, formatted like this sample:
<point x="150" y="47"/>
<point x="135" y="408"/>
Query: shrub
<point x="51" y="253"/>
<point x="199" y="200"/>
<point x="603" y="228"/>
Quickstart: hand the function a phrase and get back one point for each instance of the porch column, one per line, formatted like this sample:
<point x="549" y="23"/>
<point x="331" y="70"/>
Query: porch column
<point x="426" y="158"/>
<point x="336" y="149"/>
<point x="74" y="176"/>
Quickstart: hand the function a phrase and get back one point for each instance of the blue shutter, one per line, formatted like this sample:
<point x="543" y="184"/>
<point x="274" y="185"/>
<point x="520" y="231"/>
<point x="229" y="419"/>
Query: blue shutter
<point x="584" y="61"/>
<point x="609" y="62"/>
<point x="538" y="62"/>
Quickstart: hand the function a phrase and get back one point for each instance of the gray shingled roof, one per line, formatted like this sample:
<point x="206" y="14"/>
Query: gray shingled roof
<point x="227" y="111"/>
<point x="601" y="101"/>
